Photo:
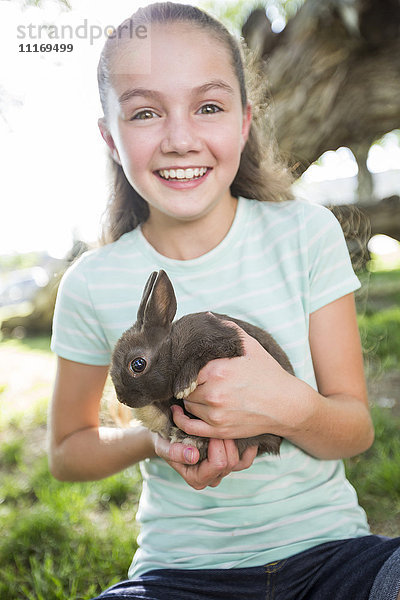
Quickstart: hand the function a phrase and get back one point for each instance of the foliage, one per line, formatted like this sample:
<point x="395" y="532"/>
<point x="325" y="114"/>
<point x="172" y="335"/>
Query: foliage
<point x="15" y="261"/>
<point x="59" y="540"/>
<point x="38" y="3"/>
<point x="380" y="334"/>
<point x="379" y="319"/>
<point x="376" y="473"/>
<point x="234" y="13"/>
<point x="31" y="344"/>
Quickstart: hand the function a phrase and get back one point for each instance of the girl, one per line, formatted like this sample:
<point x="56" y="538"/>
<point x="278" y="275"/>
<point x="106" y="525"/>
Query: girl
<point x="190" y="178"/>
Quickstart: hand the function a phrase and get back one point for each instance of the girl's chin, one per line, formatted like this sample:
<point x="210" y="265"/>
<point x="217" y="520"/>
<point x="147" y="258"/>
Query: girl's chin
<point x="180" y="216"/>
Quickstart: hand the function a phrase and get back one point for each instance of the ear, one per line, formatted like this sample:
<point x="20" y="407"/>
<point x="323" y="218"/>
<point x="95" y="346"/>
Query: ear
<point x="246" y="124"/>
<point x="145" y="296"/>
<point x="107" y="137"/>
<point x="160" y="308"/>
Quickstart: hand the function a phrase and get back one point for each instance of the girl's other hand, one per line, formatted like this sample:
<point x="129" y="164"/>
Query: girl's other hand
<point x="239" y="397"/>
<point x="222" y="459"/>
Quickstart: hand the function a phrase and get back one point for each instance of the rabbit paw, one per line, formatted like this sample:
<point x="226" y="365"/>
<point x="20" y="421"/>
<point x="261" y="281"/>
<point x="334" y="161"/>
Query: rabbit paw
<point x="183" y="394"/>
<point x="177" y="435"/>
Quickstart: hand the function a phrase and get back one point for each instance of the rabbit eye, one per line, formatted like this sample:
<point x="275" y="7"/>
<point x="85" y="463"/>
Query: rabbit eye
<point x="138" y="365"/>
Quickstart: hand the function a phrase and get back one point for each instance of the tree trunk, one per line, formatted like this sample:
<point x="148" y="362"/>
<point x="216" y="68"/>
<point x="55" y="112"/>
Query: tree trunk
<point x="365" y="188"/>
<point x="333" y="74"/>
<point x="384" y="216"/>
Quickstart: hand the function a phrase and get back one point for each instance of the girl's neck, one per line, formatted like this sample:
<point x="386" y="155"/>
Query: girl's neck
<point x="185" y="240"/>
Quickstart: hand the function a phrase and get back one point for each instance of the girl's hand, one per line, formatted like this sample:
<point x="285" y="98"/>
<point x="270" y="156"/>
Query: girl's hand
<point x="240" y="397"/>
<point x="223" y="458"/>
<point x="252" y="394"/>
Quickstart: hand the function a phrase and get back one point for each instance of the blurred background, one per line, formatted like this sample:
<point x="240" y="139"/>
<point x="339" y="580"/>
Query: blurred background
<point x="332" y="73"/>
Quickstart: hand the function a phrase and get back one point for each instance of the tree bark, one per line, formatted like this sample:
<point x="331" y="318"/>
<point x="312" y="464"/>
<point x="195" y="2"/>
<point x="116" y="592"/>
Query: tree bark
<point x="333" y="75"/>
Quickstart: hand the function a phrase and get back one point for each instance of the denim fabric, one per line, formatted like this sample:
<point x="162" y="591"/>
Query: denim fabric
<point x="365" y="568"/>
<point x="387" y="583"/>
<point x="175" y="584"/>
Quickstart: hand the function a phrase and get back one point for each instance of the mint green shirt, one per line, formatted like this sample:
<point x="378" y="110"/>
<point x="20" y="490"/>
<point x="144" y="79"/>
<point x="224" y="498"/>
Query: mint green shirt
<point x="277" y="264"/>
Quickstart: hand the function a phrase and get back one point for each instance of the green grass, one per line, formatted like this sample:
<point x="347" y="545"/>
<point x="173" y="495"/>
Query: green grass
<point x="378" y="307"/>
<point x="376" y="474"/>
<point x="380" y="290"/>
<point x="62" y="540"/>
<point x="59" y="540"/>
<point x="34" y="343"/>
<point x="380" y="336"/>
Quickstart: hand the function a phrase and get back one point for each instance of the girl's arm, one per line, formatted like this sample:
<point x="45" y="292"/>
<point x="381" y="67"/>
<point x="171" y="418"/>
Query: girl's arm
<point x="79" y="449"/>
<point x="341" y="407"/>
<point x="252" y="394"/>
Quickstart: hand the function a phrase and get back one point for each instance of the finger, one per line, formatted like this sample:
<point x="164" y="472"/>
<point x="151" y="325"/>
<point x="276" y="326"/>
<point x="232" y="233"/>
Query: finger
<point x="176" y="452"/>
<point x="207" y="371"/>
<point x="198" y="409"/>
<point x="197" y="476"/>
<point x="216" y="482"/>
<point x="232" y="454"/>
<point x="194" y="478"/>
<point x="209" y="472"/>
<point x="248" y="341"/>
<point x="212" y="470"/>
<point x="216" y="457"/>
<point x="247" y="459"/>
<point x="232" y="459"/>
<point x="234" y="326"/>
<point x="190" y="426"/>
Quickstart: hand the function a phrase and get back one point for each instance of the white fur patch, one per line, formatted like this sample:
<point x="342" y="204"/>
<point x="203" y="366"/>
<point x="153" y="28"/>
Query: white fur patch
<point x="151" y="417"/>
<point x="183" y="394"/>
<point x="176" y="436"/>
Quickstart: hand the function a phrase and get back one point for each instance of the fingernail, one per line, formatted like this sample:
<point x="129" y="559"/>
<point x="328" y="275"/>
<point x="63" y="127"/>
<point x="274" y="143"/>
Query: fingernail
<point x="188" y="453"/>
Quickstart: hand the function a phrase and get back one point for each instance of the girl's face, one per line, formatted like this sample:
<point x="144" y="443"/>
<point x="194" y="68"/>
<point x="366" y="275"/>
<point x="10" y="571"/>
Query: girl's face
<point x="179" y="130"/>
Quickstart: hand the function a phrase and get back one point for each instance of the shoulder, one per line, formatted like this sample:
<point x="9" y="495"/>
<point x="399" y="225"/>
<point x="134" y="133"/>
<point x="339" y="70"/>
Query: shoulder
<point x="101" y="258"/>
<point x="290" y="215"/>
<point x="295" y="209"/>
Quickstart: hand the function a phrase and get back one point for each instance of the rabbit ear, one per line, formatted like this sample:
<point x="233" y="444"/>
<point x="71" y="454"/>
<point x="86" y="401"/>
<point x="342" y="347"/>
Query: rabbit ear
<point x="145" y="296"/>
<point x="160" y="308"/>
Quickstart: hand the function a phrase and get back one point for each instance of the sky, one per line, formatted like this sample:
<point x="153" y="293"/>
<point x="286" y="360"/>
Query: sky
<point x="54" y="185"/>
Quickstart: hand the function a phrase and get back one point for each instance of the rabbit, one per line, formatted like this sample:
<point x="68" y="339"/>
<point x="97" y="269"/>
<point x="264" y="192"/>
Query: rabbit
<point x="155" y="363"/>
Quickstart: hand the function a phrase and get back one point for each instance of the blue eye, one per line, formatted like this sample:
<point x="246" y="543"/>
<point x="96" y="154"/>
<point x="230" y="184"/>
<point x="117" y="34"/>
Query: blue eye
<point x="138" y="365"/>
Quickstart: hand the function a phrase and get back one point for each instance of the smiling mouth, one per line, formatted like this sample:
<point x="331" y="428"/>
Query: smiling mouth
<point x="183" y="174"/>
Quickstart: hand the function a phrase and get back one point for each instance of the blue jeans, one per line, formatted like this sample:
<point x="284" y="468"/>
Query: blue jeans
<point x="366" y="568"/>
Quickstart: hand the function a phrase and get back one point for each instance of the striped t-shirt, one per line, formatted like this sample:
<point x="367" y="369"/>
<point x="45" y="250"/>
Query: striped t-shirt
<point x="277" y="264"/>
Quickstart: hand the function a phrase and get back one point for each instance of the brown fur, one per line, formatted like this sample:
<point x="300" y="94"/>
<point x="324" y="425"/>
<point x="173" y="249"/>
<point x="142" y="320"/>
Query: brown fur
<point x="175" y="353"/>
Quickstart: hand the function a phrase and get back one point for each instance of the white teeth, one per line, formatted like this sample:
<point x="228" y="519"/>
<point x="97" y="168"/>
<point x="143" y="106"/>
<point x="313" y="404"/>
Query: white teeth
<point x="183" y="394"/>
<point x="189" y="173"/>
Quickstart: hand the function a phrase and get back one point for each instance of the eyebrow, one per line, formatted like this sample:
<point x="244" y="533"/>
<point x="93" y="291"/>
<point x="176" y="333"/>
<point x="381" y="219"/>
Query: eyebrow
<point x="201" y="89"/>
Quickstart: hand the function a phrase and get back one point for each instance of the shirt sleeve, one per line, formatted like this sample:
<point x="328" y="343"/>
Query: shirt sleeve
<point x="331" y="274"/>
<point x="77" y="332"/>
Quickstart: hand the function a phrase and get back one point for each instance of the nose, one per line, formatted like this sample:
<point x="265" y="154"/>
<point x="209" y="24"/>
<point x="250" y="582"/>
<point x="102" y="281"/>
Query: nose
<point x="180" y="135"/>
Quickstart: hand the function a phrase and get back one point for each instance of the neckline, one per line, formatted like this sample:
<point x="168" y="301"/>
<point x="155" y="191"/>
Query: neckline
<point x="234" y="233"/>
